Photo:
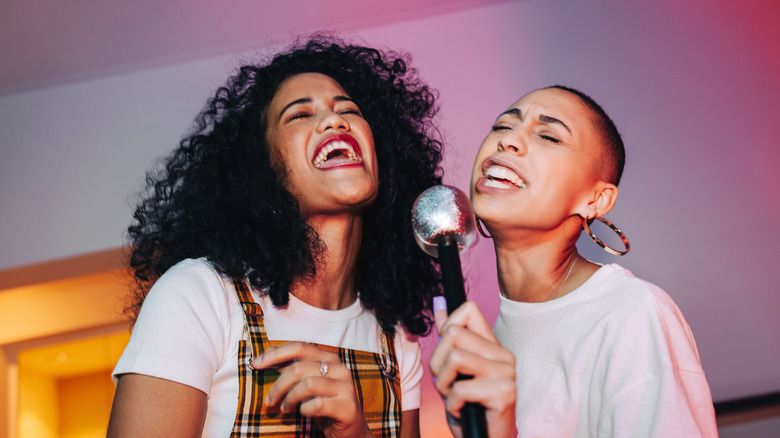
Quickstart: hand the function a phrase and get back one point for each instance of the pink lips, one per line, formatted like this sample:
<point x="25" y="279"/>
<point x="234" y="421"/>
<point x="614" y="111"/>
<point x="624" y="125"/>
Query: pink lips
<point x="344" y="145"/>
<point x="497" y="160"/>
<point x="484" y="183"/>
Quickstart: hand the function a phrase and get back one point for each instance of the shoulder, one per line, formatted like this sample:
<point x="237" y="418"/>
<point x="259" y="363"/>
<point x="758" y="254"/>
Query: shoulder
<point x="646" y="317"/>
<point x="190" y="291"/>
<point x="189" y="272"/>
<point x="191" y="279"/>
<point x="628" y="294"/>
<point x="186" y="329"/>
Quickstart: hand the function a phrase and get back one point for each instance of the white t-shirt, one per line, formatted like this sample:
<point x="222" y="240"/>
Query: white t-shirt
<point x="191" y="322"/>
<point x="613" y="358"/>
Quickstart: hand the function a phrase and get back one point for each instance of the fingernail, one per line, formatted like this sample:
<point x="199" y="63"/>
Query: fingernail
<point x="439" y="303"/>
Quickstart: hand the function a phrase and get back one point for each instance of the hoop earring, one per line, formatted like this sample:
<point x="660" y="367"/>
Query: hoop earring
<point x="479" y="228"/>
<point x="602" y="244"/>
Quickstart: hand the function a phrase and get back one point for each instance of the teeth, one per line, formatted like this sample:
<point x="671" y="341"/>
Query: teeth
<point x="502" y="173"/>
<point x="496" y="184"/>
<point x="333" y="146"/>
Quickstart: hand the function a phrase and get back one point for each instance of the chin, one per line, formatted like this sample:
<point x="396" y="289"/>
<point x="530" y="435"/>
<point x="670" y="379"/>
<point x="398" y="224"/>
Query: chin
<point x="359" y="196"/>
<point x="366" y="202"/>
<point x="488" y="210"/>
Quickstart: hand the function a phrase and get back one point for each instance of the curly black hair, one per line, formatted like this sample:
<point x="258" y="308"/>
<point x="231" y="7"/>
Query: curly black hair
<point x="219" y="197"/>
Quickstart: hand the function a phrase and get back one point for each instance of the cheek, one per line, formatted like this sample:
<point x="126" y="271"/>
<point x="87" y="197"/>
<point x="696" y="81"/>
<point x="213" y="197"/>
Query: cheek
<point x="291" y="151"/>
<point x="281" y="164"/>
<point x="275" y="140"/>
<point x="371" y="150"/>
<point x="280" y="167"/>
<point x="367" y="137"/>
<point x="370" y="159"/>
<point x="276" y="158"/>
<point x="366" y="131"/>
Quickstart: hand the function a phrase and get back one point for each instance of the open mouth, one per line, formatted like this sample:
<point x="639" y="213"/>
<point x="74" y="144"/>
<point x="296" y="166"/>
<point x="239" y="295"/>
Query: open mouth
<point x="341" y="150"/>
<point x="502" y="178"/>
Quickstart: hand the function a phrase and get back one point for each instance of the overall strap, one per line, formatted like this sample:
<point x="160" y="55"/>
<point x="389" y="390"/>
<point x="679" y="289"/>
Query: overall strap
<point x="249" y="418"/>
<point x="376" y="378"/>
<point x="253" y="318"/>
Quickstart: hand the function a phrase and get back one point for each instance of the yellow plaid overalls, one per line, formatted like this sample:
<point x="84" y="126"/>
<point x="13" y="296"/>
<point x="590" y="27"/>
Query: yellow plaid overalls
<point x="376" y="377"/>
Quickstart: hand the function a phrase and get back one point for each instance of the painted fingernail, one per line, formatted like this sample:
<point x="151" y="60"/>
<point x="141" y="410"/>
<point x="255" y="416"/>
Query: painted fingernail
<point x="439" y="303"/>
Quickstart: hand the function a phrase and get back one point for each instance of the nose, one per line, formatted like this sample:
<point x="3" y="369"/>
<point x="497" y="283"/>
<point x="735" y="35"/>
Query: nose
<point x="333" y="120"/>
<point x="512" y="141"/>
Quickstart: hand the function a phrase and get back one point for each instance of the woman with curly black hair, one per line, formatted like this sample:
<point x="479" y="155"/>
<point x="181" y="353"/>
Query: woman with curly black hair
<point x="278" y="281"/>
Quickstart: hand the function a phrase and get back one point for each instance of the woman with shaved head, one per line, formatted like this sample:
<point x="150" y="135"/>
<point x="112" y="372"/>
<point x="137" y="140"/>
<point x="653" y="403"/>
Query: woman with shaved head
<point x="578" y="349"/>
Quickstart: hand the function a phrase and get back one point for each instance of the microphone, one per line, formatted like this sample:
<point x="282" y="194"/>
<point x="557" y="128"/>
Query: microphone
<point x="444" y="225"/>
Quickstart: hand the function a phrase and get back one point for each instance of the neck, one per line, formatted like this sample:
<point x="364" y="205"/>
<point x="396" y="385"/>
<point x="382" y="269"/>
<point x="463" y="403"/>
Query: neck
<point x="334" y="285"/>
<point x="535" y="266"/>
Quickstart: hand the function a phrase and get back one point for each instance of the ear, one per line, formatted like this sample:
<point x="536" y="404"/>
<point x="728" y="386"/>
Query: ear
<point x="601" y="201"/>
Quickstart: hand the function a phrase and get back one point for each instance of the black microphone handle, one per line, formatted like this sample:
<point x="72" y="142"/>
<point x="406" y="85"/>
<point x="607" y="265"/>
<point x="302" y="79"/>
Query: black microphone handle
<point x="472" y="415"/>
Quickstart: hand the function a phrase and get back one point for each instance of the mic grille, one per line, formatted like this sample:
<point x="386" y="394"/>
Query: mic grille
<point x="443" y="211"/>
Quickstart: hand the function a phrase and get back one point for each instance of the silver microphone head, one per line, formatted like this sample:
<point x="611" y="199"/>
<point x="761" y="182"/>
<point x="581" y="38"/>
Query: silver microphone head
<point x="443" y="211"/>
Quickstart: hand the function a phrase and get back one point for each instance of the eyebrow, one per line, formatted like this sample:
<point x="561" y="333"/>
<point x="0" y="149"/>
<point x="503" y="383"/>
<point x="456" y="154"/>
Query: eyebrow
<point x="511" y="112"/>
<point x="547" y="120"/>
<point x="310" y="100"/>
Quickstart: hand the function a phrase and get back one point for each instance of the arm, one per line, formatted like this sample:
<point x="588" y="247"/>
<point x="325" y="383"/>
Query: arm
<point x="652" y="373"/>
<point x="660" y="408"/>
<point x="167" y="409"/>
<point x="173" y="353"/>
<point x="410" y="424"/>
<point x="468" y="347"/>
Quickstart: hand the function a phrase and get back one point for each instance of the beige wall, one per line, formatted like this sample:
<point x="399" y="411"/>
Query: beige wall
<point x="37" y="315"/>
<point x="85" y="404"/>
<point x="38" y="414"/>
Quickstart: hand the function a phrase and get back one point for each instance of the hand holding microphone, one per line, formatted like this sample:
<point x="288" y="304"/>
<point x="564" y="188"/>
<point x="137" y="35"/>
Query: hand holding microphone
<point x="444" y="224"/>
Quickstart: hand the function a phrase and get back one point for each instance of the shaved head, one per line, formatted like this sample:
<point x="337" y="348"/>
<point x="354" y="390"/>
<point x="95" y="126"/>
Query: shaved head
<point x="614" y="160"/>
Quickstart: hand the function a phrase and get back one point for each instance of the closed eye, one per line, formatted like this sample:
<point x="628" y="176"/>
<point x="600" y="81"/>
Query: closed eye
<point x="549" y="138"/>
<point x="299" y="115"/>
<point x="352" y="111"/>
